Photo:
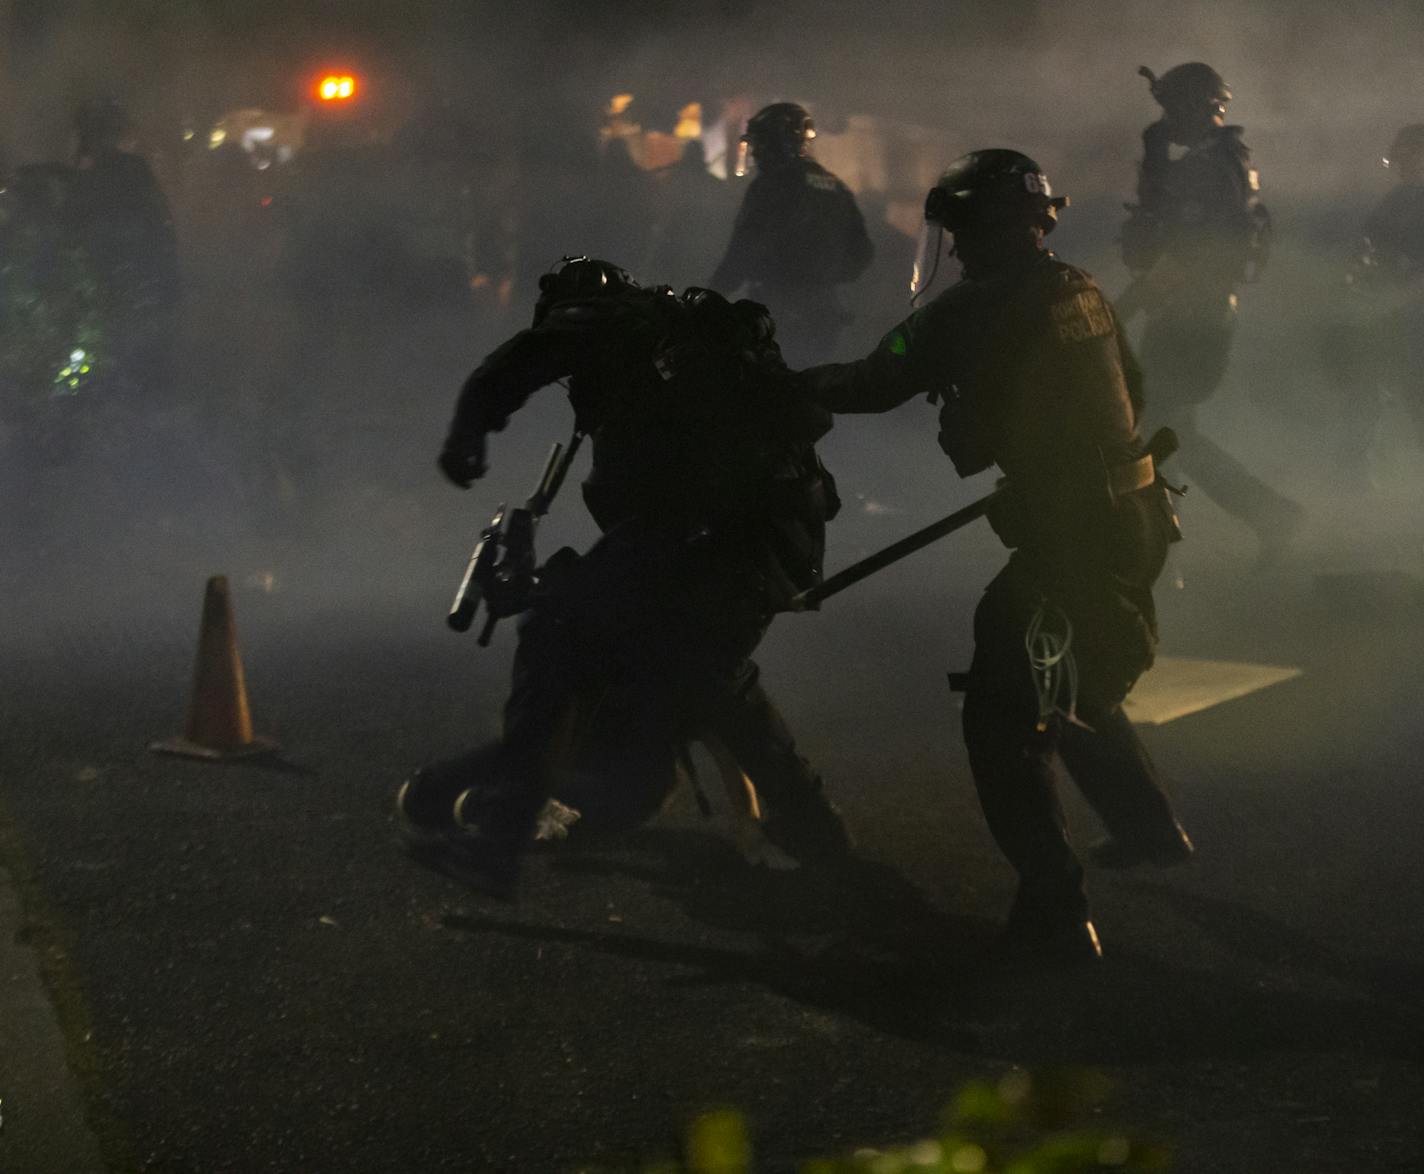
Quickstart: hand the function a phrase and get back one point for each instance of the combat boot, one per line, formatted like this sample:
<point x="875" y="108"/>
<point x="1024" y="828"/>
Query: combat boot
<point x="424" y="805"/>
<point x="425" y="802"/>
<point x="1051" y="932"/>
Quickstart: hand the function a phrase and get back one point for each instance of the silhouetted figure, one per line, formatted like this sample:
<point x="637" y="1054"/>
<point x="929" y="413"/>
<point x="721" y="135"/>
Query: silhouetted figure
<point x="1035" y="379"/>
<point x="1376" y="349"/>
<point x="692" y="215"/>
<point x="120" y="218"/>
<point x="621" y="208"/>
<point x="1197" y="232"/>
<point x="553" y="214"/>
<point x="118" y="209"/>
<point x="797" y="236"/>
<point x="712" y="505"/>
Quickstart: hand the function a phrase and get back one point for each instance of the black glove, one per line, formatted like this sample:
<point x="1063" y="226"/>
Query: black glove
<point x="464" y="461"/>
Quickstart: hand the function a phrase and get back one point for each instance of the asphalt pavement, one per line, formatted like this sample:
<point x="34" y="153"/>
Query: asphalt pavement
<point x="42" y="1115"/>
<point x="256" y="978"/>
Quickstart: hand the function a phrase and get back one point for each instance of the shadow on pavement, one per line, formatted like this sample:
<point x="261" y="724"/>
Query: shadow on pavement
<point x="858" y="941"/>
<point x="864" y="944"/>
<point x="1251" y="934"/>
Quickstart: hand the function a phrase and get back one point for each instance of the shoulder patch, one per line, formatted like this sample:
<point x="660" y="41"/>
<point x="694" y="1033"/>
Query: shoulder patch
<point x="822" y="181"/>
<point x="1082" y="316"/>
<point x="899" y="340"/>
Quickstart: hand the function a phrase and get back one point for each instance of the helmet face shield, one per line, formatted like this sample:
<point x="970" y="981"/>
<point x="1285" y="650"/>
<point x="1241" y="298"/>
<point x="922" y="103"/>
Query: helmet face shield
<point x="928" y="254"/>
<point x="985" y="188"/>
<point x="994" y="192"/>
<point x="776" y="135"/>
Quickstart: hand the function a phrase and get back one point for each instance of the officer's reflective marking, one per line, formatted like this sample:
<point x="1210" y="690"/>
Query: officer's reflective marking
<point x="1178" y="686"/>
<point x="898" y="346"/>
<point x="1253" y="179"/>
<point x="1082" y="317"/>
<point x="827" y="183"/>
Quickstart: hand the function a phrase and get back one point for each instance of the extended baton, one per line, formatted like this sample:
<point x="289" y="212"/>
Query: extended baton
<point x="895" y="552"/>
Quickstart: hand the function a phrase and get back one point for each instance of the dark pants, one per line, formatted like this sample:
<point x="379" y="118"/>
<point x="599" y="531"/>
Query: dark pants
<point x="1015" y="762"/>
<point x="1184" y="356"/>
<point x="630" y="652"/>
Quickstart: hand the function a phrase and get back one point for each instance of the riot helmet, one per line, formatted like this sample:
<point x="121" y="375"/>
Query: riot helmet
<point x="1192" y="96"/>
<point x="776" y="135"/>
<point x="983" y="190"/>
<point x="575" y="278"/>
<point x="1405" y="158"/>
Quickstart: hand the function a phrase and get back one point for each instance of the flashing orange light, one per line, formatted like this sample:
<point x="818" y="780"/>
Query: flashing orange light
<point x="336" y="88"/>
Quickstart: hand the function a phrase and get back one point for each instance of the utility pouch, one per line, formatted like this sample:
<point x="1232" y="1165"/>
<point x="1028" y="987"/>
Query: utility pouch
<point x="1164" y="491"/>
<point x="959" y="436"/>
<point x="1163" y="444"/>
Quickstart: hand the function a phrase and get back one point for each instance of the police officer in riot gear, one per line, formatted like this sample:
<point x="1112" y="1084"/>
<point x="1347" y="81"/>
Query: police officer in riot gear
<point x="797" y="236"/>
<point x="1377" y="346"/>
<point x="121" y="220"/>
<point x="1028" y="362"/>
<point x="1196" y="233"/>
<point x="1394" y="233"/>
<point x="119" y="209"/>
<point x="712" y="504"/>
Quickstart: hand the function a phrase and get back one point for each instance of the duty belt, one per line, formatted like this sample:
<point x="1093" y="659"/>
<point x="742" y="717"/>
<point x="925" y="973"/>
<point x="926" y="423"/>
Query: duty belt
<point x="1135" y="475"/>
<point x="1139" y="474"/>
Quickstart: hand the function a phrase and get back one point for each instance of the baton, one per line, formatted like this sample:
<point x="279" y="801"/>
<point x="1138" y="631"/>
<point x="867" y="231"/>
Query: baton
<point x="893" y="553"/>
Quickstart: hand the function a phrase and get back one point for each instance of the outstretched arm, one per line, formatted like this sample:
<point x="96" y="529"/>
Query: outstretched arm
<point x="499" y="387"/>
<point x="884" y="379"/>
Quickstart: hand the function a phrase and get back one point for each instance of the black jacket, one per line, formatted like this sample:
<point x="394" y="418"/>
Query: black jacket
<point x="1034" y="377"/>
<point x="798" y="228"/>
<point x="1204" y="211"/>
<point x="695" y="421"/>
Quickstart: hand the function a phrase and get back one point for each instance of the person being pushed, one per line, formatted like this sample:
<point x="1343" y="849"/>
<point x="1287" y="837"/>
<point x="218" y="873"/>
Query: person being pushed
<point x="712" y="505"/>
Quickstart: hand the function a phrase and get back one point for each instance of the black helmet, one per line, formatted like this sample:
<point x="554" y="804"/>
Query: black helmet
<point x="579" y="277"/>
<point x="1192" y="88"/>
<point x="986" y="188"/>
<point x="778" y="133"/>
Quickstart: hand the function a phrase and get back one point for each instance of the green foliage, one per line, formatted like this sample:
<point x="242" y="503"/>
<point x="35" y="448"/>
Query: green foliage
<point x="50" y="306"/>
<point x="719" y="1143"/>
<point x="1020" y="1125"/>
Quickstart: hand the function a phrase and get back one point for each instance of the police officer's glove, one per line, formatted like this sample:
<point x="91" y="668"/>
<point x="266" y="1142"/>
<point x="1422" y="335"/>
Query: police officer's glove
<point x="464" y="461"/>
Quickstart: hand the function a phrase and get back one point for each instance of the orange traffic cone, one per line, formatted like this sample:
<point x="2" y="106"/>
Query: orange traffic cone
<point x="219" y="724"/>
